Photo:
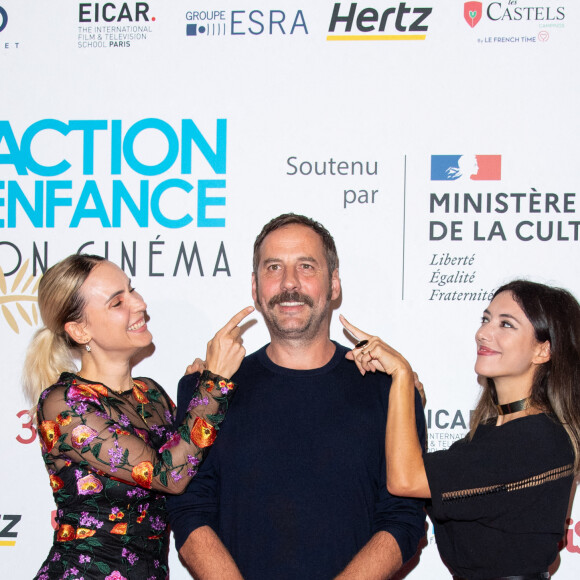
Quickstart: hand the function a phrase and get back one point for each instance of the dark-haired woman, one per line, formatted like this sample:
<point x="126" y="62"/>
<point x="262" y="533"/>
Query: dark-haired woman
<point x="106" y="439"/>
<point x="499" y="497"/>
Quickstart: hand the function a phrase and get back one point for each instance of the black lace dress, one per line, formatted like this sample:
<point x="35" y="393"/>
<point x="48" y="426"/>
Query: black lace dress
<point x="111" y="458"/>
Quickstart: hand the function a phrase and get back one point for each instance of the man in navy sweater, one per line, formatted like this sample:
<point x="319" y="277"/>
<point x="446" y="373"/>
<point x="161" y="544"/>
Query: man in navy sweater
<point x="295" y="485"/>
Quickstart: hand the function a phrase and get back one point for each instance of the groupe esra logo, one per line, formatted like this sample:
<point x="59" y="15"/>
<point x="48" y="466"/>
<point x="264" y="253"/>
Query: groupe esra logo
<point x="3" y="19"/>
<point x="245" y="22"/>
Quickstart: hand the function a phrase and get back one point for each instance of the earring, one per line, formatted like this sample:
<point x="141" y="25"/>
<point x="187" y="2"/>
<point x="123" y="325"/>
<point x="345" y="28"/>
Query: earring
<point x="88" y="347"/>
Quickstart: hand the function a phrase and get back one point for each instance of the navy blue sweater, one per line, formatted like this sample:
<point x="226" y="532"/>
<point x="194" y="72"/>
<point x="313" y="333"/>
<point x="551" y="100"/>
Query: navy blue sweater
<point x="295" y="483"/>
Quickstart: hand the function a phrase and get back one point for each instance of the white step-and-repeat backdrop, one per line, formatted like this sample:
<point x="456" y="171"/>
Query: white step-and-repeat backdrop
<point x="437" y="140"/>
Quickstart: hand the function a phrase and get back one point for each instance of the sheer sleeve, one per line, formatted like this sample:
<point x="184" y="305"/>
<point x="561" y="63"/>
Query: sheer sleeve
<point x="128" y="436"/>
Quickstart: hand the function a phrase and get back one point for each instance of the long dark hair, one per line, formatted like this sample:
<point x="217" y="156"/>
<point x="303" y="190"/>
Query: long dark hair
<point x="555" y="315"/>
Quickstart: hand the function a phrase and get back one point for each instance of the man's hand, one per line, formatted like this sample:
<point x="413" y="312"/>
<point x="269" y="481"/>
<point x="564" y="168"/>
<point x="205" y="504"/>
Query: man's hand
<point x="197" y="366"/>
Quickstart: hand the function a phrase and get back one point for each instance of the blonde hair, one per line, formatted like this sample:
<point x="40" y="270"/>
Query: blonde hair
<point x="51" y="350"/>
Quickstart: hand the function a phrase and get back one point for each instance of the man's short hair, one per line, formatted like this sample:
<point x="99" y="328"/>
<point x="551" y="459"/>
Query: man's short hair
<point x="288" y="219"/>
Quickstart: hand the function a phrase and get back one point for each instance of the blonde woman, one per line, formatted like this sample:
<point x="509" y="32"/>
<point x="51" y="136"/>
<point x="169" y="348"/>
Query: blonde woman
<point x="107" y="438"/>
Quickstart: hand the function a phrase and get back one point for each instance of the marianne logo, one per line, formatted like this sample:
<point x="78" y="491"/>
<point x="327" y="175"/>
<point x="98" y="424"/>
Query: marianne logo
<point x="472" y="13"/>
<point x="474" y="167"/>
<point x="3" y="19"/>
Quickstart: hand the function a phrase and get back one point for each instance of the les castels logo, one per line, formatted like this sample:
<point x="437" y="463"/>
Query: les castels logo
<point x="472" y="13"/>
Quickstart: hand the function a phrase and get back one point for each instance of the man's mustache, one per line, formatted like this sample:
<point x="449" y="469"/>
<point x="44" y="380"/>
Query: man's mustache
<point x="290" y="297"/>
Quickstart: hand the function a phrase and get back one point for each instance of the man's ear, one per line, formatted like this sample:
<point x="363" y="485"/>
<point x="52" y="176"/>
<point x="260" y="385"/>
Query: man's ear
<point x="255" y="290"/>
<point x="77" y="331"/>
<point x="335" y="285"/>
<point x="544" y="353"/>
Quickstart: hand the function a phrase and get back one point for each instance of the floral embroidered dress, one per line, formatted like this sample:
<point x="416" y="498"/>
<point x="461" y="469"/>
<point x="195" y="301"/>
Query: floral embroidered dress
<point x="111" y="458"/>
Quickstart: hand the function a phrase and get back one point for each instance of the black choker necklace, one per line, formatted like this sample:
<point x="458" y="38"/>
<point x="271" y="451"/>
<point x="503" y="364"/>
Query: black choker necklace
<point x="514" y="407"/>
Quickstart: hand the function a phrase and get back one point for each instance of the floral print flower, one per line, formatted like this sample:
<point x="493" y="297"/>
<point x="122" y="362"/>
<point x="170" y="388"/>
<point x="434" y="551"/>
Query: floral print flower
<point x="171" y="442"/>
<point x="120" y="529"/>
<point x="88" y="520"/>
<point x="78" y="393"/>
<point x="225" y="386"/>
<point x="131" y="557"/>
<point x="157" y="523"/>
<point x="116" y="575"/>
<point x="116" y="514"/>
<point x="65" y="533"/>
<point x="63" y="419"/>
<point x="137" y="493"/>
<point x="139" y="391"/>
<point x="88" y="485"/>
<point x="197" y="401"/>
<point x="157" y="429"/>
<point x="80" y="408"/>
<point x="50" y="432"/>
<point x="124" y="420"/>
<point x="83" y="533"/>
<point x="143" y="434"/>
<point x="56" y="483"/>
<point x="116" y="456"/>
<point x="82" y="435"/>
<point x="203" y="434"/>
<point x="142" y="473"/>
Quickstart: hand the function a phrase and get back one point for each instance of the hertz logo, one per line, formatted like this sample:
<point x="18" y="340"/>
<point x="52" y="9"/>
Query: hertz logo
<point x="364" y="23"/>
<point x="7" y="531"/>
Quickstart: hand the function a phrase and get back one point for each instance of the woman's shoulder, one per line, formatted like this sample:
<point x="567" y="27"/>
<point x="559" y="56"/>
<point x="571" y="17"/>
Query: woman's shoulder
<point x="539" y="426"/>
<point x="547" y="427"/>
<point x="54" y="399"/>
<point x="63" y="383"/>
<point x="541" y="436"/>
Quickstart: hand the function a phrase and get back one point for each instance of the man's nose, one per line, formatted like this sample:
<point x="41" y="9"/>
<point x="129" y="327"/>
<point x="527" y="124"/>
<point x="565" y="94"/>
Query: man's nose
<point x="290" y="280"/>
